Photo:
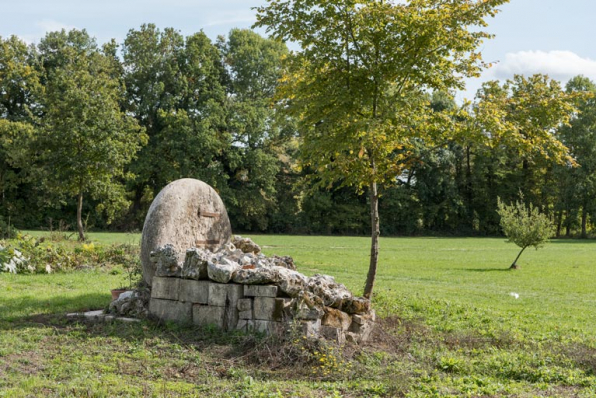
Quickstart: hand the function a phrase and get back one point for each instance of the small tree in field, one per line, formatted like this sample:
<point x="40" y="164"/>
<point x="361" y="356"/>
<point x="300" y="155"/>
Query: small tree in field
<point x="524" y="225"/>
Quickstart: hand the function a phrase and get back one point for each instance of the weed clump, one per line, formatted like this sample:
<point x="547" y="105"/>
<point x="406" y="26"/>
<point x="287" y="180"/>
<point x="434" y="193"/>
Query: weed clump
<point x="293" y="351"/>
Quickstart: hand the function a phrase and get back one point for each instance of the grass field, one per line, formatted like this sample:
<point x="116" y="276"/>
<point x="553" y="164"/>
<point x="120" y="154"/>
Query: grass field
<point x="450" y="327"/>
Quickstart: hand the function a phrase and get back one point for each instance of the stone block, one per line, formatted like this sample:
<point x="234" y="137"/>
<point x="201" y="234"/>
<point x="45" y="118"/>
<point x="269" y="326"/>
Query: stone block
<point x="363" y="325"/>
<point x="352" y="338"/>
<point x="204" y="315"/>
<point x="235" y="292"/>
<point x="165" y="288"/>
<point x="222" y="271"/>
<point x="311" y="329"/>
<point x="290" y="282"/>
<point x="333" y="334"/>
<point x="165" y="260"/>
<point x="364" y="318"/>
<point x="302" y="311"/>
<point x="245" y="325"/>
<point x="260" y="291"/>
<point x="268" y="327"/>
<point x="193" y="291"/>
<point x="245" y="314"/>
<point x="254" y="276"/>
<point x="168" y="310"/>
<point x="358" y="319"/>
<point x="231" y="318"/>
<point x="246" y="245"/>
<point x="217" y="294"/>
<point x="195" y="264"/>
<point x="364" y="331"/>
<point x="221" y="295"/>
<point x="244" y="304"/>
<point x="336" y="318"/>
<point x="288" y="308"/>
<point x="356" y="305"/>
<point x="268" y="308"/>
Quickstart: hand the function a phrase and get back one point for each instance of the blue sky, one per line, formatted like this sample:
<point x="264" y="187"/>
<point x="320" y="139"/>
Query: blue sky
<point x="532" y="36"/>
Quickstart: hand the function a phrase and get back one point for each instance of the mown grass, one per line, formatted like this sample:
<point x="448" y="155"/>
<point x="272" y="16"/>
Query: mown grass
<point x="449" y="328"/>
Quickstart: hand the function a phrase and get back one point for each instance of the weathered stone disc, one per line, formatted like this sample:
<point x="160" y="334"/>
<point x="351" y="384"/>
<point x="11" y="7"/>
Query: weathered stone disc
<point x="186" y="213"/>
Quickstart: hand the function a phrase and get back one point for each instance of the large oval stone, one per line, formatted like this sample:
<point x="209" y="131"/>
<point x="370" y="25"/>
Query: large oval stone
<point x="186" y="213"/>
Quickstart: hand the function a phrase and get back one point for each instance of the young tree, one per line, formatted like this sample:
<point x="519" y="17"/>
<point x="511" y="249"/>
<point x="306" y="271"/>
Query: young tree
<point x="85" y="139"/>
<point x="357" y="85"/>
<point x="524" y="225"/>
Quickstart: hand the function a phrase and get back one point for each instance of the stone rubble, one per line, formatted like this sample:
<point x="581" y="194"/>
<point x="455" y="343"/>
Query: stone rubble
<point x="246" y="245"/>
<point x="132" y="303"/>
<point x="238" y="287"/>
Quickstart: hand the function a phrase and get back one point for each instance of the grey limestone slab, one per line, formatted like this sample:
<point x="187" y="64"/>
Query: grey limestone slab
<point x="193" y="291"/>
<point x="165" y="288"/>
<point x="168" y="310"/>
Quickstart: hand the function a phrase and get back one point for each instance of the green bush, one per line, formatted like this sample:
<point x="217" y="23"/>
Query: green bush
<point x="26" y="254"/>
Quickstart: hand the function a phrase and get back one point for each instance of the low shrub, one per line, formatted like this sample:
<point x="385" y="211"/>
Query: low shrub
<point x="26" y="254"/>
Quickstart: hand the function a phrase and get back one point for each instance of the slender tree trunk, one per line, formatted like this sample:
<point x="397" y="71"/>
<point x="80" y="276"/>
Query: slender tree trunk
<point x="559" y="223"/>
<point x="584" y="222"/>
<point x="469" y="194"/>
<point x="514" y="265"/>
<point x="374" y="247"/>
<point x="567" y="224"/>
<point x="80" y="217"/>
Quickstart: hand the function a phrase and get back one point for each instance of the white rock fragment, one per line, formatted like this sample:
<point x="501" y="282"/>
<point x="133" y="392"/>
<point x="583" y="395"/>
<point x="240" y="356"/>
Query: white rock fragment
<point x="222" y="271"/>
<point x="165" y="261"/>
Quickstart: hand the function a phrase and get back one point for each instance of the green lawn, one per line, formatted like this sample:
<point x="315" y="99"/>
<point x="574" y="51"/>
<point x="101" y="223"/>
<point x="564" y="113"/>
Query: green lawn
<point x="450" y="327"/>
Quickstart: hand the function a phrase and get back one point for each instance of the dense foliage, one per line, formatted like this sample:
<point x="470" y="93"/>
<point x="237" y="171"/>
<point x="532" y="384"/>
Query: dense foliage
<point x="204" y="109"/>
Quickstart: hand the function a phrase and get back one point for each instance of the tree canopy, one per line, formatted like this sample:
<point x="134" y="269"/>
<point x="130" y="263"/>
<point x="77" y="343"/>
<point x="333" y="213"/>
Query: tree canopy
<point x="209" y="111"/>
<point x="357" y="86"/>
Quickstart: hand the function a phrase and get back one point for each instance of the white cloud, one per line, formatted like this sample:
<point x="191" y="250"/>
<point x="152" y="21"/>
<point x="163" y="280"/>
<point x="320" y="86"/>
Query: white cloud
<point x="49" y="25"/>
<point x="560" y="65"/>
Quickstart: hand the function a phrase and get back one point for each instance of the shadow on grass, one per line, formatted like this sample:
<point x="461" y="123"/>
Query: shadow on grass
<point x="485" y="269"/>
<point x="50" y="313"/>
<point x="19" y="309"/>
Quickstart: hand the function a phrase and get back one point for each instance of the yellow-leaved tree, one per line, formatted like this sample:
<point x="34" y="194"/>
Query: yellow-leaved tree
<point x="358" y="84"/>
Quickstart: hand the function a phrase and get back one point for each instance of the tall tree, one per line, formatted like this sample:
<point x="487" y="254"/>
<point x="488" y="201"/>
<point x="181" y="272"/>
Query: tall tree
<point x="580" y="137"/>
<point x="357" y="84"/>
<point x="516" y="124"/>
<point x="253" y="66"/>
<point x="154" y="87"/>
<point x="85" y="139"/>
<point x="19" y="99"/>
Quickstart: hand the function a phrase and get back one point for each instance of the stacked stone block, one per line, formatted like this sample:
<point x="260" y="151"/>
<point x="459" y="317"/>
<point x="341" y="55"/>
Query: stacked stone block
<point x="249" y="308"/>
<point x="227" y="306"/>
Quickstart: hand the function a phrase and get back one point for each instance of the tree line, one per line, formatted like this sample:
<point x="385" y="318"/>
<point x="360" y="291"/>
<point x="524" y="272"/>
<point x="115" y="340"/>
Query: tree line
<point x="97" y="130"/>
